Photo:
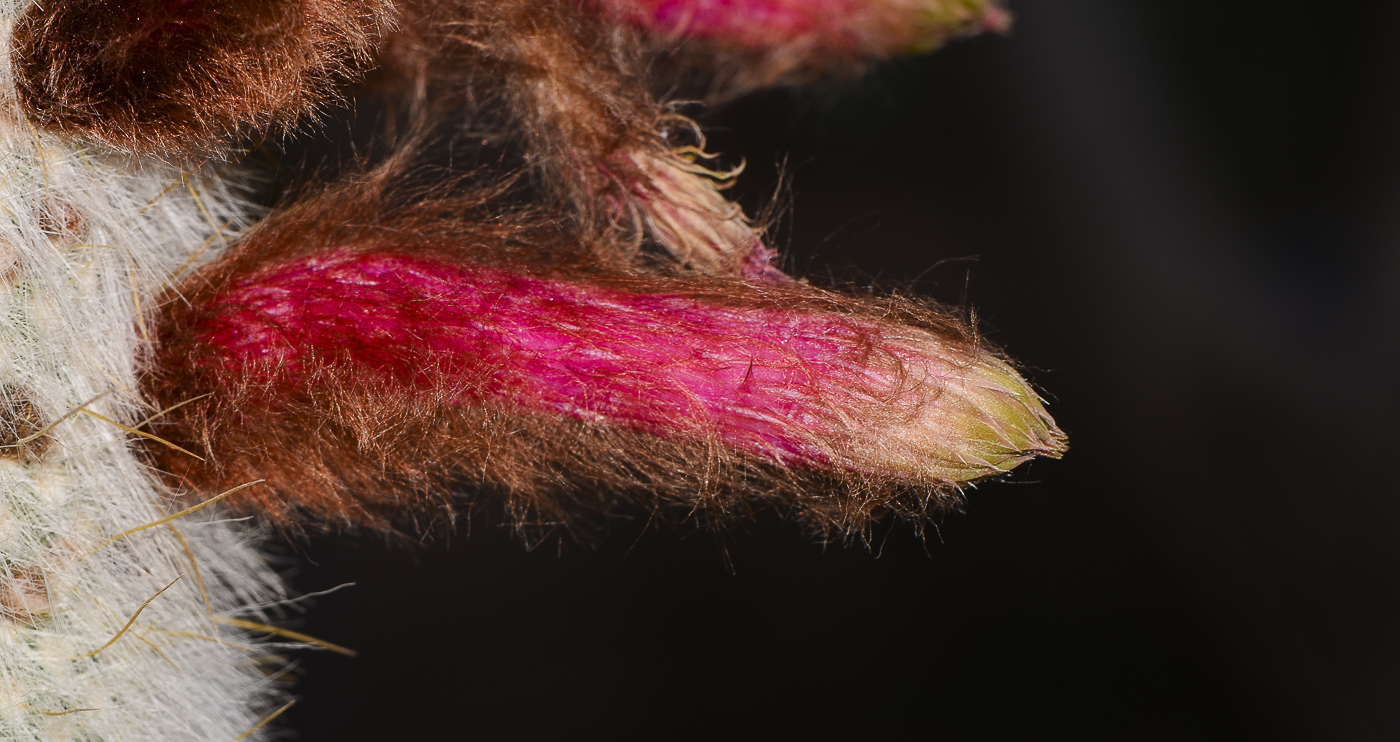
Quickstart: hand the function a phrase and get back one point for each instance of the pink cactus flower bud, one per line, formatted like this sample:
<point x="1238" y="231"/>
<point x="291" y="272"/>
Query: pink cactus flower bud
<point x="796" y="386"/>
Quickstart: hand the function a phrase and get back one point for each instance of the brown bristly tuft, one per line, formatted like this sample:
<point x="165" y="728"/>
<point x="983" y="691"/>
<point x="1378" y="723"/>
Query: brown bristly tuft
<point x="172" y="78"/>
<point x="571" y="89"/>
<point x="20" y="422"/>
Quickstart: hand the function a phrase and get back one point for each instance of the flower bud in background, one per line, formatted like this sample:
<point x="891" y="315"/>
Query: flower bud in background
<point x="781" y="39"/>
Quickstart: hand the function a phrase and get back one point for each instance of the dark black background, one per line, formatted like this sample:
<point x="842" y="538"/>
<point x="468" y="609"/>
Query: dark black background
<point x="1181" y="216"/>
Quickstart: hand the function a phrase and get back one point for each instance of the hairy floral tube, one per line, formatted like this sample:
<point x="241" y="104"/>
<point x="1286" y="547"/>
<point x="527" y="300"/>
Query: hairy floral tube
<point x="739" y="382"/>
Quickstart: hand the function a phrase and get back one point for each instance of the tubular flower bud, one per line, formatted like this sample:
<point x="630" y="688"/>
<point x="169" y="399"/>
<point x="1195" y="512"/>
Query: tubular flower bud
<point x="737" y="380"/>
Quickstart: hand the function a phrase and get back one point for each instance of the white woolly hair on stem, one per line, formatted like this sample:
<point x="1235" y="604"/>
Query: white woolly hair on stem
<point x="109" y="629"/>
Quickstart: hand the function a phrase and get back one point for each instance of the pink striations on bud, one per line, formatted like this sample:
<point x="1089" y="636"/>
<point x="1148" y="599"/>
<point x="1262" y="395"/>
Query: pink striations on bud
<point x="798" y="388"/>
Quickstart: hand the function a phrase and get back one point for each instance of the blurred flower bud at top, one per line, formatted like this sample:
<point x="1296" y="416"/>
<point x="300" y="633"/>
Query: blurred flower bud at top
<point x="811" y="32"/>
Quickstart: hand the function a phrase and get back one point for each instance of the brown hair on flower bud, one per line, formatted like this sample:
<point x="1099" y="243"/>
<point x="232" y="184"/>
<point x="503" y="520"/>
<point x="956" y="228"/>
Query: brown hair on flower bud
<point x="365" y="358"/>
<point x="171" y="77"/>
